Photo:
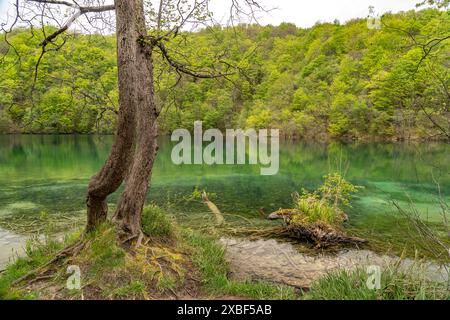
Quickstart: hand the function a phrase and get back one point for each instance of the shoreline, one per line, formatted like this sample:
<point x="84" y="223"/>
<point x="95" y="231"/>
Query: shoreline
<point x="283" y="138"/>
<point x="276" y="261"/>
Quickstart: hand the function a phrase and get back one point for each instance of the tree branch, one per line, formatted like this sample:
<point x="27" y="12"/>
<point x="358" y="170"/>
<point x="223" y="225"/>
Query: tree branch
<point x="65" y="3"/>
<point x="76" y="6"/>
<point x="81" y="11"/>
<point x="179" y="67"/>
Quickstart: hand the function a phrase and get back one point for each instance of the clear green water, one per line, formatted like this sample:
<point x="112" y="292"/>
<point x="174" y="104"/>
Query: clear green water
<point x="50" y="173"/>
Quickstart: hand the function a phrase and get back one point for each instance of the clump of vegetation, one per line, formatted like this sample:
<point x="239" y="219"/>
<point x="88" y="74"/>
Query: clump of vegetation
<point x="318" y="215"/>
<point x="313" y="210"/>
<point x="324" y="204"/>
<point x="156" y="222"/>
<point x="102" y="252"/>
<point x="394" y="285"/>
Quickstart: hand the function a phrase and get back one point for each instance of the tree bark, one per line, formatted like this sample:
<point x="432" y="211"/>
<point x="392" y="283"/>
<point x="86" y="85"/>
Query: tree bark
<point x="129" y="210"/>
<point x="134" y="148"/>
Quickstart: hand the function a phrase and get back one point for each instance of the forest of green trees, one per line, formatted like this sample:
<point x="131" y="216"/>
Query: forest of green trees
<point x="329" y="81"/>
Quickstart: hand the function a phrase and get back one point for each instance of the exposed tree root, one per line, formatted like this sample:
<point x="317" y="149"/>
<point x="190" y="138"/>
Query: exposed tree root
<point x="139" y="240"/>
<point x="39" y="272"/>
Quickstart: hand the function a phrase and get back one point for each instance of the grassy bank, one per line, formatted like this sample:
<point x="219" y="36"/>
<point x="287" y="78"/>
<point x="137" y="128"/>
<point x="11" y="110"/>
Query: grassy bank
<point x="170" y="264"/>
<point x="394" y="285"/>
<point x="176" y="262"/>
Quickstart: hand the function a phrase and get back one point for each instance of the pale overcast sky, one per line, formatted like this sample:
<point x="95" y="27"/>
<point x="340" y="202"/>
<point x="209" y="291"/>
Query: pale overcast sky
<point x="303" y="13"/>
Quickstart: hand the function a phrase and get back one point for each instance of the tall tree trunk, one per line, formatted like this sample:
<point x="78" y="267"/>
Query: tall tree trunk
<point x="129" y="209"/>
<point x="130" y="156"/>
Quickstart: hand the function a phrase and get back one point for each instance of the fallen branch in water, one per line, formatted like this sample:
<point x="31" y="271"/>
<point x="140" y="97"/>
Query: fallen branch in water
<point x="255" y="233"/>
<point x="217" y="214"/>
<point x="35" y="224"/>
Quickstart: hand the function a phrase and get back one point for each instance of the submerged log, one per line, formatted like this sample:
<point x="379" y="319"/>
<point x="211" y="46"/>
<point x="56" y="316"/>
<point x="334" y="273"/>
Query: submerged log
<point x="322" y="234"/>
<point x="283" y="214"/>
<point x="213" y="208"/>
<point x="286" y="214"/>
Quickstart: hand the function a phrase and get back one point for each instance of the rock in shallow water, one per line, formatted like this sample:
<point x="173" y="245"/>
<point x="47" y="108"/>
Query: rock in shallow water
<point x="281" y="262"/>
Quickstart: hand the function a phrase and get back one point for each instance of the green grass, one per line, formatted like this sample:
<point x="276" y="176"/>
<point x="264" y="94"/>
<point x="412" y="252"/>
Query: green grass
<point x="395" y="285"/>
<point x="314" y="210"/>
<point x="102" y="253"/>
<point x="156" y="222"/>
<point x="100" y="256"/>
<point x="209" y="258"/>
<point x="323" y="205"/>
<point x="134" y="289"/>
<point x="37" y="253"/>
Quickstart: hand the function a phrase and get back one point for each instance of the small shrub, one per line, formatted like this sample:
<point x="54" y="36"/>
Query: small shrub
<point x="316" y="210"/>
<point x="324" y="204"/>
<point x="336" y="190"/>
<point x="156" y="222"/>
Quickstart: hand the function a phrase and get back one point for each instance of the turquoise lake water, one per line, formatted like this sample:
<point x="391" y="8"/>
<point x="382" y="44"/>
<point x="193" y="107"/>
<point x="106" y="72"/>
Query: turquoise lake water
<point x="50" y="173"/>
